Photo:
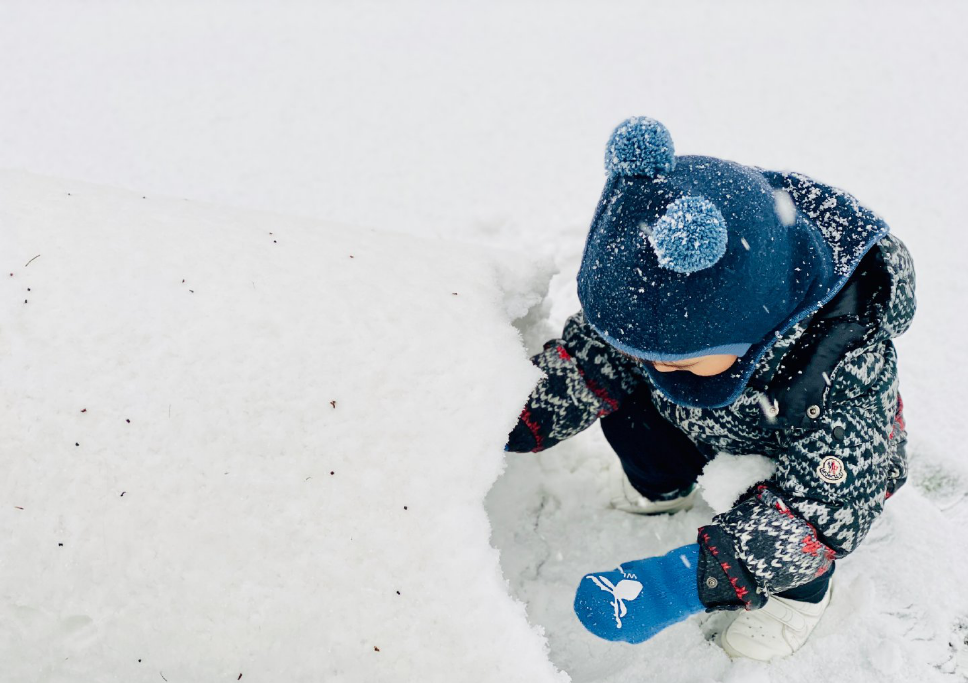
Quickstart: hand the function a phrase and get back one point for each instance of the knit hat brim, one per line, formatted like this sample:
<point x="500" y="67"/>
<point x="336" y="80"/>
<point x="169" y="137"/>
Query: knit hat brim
<point x="725" y="349"/>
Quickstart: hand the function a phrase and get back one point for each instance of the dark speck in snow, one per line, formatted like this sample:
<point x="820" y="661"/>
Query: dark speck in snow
<point x="398" y="592"/>
<point x="240" y="677"/>
<point x="332" y="472"/>
<point x="60" y="544"/>
<point x="20" y="508"/>
<point x="76" y="443"/>
<point x="351" y="256"/>
<point x="192" y="291"/>
<point x="127" y="420"/>
<point x="376" y="649"/>
<point x="122" y="493"/>
<point x="83" y="410"/>
<point x="454" y="293"/>
<point x="405" y="507"/>
<point x="333" y="403"/>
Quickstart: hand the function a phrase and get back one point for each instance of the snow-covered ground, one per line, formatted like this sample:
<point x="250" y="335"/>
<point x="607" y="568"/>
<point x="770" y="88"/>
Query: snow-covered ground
<point x="228" y="448"/>
<point x="481" y="123"/>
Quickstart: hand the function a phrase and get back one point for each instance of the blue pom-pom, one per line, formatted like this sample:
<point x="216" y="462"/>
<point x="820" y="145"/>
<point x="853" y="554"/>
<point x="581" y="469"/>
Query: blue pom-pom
<point x="640" y="146"/>
<point x="690" y="236"/>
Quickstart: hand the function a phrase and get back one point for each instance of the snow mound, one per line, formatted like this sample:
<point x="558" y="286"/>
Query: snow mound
<point x="241" y="443"/>
<point x="727" y="476"/>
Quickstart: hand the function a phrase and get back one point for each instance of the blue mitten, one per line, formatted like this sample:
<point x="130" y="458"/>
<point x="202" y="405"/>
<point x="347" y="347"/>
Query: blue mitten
<point x="641" y="598"/>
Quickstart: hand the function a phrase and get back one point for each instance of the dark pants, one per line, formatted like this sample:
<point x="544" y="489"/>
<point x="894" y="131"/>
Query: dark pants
<point x="661" y="461"/>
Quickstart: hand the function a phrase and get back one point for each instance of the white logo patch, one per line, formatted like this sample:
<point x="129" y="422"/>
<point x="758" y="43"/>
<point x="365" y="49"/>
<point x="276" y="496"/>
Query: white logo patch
<point x="622" y="591"/>
<point x="832" y="470"/>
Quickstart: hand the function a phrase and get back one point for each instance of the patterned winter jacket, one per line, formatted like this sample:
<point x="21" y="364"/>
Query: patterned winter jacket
<point x="823" y="403"/>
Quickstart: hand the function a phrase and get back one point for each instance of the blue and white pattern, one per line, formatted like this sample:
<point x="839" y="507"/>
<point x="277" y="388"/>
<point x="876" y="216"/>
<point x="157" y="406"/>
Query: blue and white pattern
<point x="690" y="236"/>
<point x="640" y="146"/>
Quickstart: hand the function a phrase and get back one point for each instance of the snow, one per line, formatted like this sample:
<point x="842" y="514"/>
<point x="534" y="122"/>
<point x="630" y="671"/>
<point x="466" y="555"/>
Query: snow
<point x="727" y="476"/>
<point x="784" y="207"/>
<point x="233" y="444"/>
<point x="482" y="124"/>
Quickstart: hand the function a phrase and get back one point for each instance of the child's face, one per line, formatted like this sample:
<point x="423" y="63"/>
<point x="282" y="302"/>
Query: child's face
<point x="704" y="366"/>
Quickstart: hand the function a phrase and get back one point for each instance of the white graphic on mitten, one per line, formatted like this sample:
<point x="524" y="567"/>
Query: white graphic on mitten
<point x="624" y="590"/>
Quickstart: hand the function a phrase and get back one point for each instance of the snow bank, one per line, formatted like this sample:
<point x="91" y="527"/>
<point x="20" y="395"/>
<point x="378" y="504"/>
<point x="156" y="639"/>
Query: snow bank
<point x="241" y="443"/>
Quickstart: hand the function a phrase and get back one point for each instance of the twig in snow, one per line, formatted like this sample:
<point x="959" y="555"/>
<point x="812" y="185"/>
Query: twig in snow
<point x="31" y="261"/>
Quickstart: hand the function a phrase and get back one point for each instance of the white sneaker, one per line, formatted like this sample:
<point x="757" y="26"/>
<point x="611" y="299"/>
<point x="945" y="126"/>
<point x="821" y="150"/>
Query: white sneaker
<point x="626" y="498"/>
<point x="777" y="629"/>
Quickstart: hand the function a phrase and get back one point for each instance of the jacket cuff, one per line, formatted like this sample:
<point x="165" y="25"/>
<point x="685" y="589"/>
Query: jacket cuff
<point x="723" y="581"/>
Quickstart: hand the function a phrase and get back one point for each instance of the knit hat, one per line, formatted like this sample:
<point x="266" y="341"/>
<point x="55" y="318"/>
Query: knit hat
<point x="691" y="256"/>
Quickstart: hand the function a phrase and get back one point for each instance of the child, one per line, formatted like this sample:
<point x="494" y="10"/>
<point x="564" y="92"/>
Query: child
<point x="726" y="308"/>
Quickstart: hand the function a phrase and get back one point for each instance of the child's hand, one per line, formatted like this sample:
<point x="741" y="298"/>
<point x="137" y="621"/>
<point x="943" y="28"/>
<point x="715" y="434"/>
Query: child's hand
<point x="641" y="598"/>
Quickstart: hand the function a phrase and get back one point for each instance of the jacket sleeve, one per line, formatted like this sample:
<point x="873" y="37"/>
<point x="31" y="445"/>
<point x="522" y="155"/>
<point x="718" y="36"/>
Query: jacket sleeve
<point x="830" y="484"/>
<point x="585" y="379"/>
